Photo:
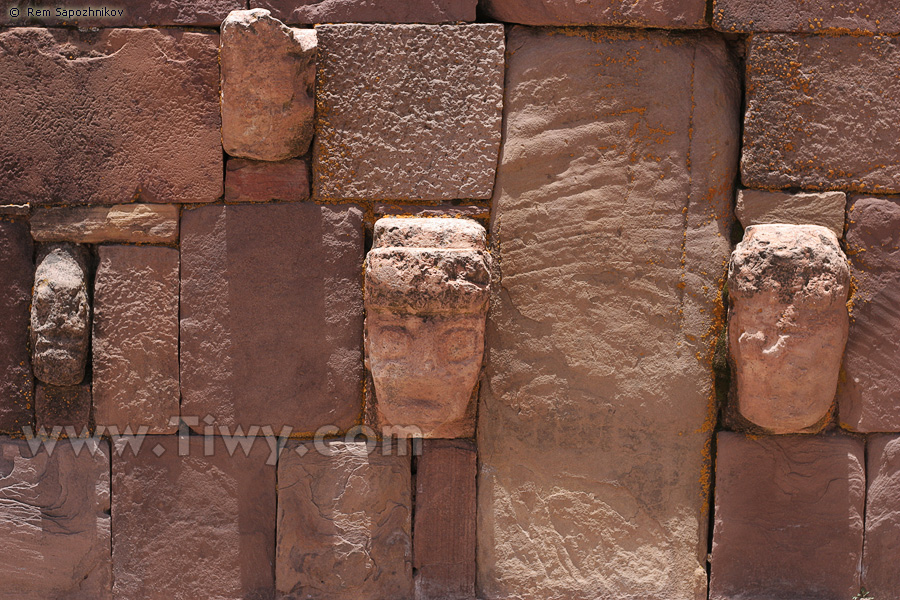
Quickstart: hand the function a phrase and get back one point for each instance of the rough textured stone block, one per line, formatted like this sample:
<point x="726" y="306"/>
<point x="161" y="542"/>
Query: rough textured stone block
<point x="193" y="523"/>
<point x="675" y="14"/>
<point x="788" y="287"/>
<point x="369" y="11"/>
<point x="344" y="522"/>
<point x="598" y="405"/>
<point x="757" y="207"/>
<point x="869" y="389"/>
<point x="54" y="522"/>
<point x="136" y="13"/>
<point x="407" y="111"/>
<point x="109" y="117"/>
<point x="135" y="343"/>
<point x="272" y="316"/>
<point x="16" y="279"/>
<point x="444" y="542"/>
<point x="789" y="517"/>
<point x="882" y="540"/>
<point x="252" y="181"/>
<point x="445" y="209"/>
<point x="268" y="86"/>
<point x="821" y="113"/>
<point x="135" y="223"/>
<point x="807" y="16"/>
<point x="68" y="406"/>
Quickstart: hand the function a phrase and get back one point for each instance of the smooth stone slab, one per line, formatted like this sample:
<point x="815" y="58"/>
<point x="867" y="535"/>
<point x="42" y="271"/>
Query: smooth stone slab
<point x="260" y="181"/>
<point x="16" y="279"/>
<point x="128" y="223"/>
<point x="671" y="14"/>
<point x="369" y="11"/>
<point x="757" y="207"/>
<point x="882" y="543"/>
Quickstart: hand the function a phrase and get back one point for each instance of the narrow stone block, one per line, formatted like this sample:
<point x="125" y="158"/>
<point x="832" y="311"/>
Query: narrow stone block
<point x="127" y="223"/>
<point x="134" y="13"/>
<point x="257" y="181"/>
<point x="807" y="16"/>
<point x="672" y="14"/>
<point x="758" y="207"/>
<point x="68" y="406"/>
<point x="369" y="11"/>
<point x="880" y="575"/>
<point x="16" y="279"/>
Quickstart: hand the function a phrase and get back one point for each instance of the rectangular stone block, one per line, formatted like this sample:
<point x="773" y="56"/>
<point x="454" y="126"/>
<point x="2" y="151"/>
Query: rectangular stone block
<point x="431" y="97"/>
<point x="258" y="181"/>
<point x="671" y="14"/>
<point x="54" y="521"/>
<point x="445" y="209"/>
<point x="194" y="518"/>
<point x="298" y="12"/>
<point x="110" y="117"/>
<point x="611" y="217"/>
<point x="135" y="338"/>
<point x="67" y="406"/>
<point x="134" y="13"/>
<point x="15" y="210"/>
<point x="344" y="513"/>
<point x="788" y="517"/>
<point x="756" y="207"/>
<point x="16" y="279"/>
<point x="880" y="575"/>
<point x="821" y="113"/>
<point x="271" y="315"/>
<point x="807" y="16"/>
<point x="129" y="223"/>
<point x="444" y="541"/>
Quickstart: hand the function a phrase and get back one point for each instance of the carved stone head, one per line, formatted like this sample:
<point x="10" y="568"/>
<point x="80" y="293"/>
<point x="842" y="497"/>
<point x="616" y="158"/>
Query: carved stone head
<point x="426" y="295"/>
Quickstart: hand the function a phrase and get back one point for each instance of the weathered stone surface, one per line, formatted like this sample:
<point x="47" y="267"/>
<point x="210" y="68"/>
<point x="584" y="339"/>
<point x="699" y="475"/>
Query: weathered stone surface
<point x="252" y="181"/>
<point x="134" y="223"/>
<point x="68" y="406"/>
<point x="598" y="405"/>
<point x="445" y="209"/>
<point x="193" y="523"/>
<point x="369" y="11"/>
<point x="88" y="126"/>
<point x="54" y="522"/>
<point x="344" y="522"/>
<point x="807" y="16"/>
<point x="135" y="343"/>
<point x="757" y="207"/>
<point x="882" y="540"/>
<point x="821" y="113"/>
<point x="869" y="389"/>
<point x="444" y="541"/>
<point x="674" y="14"/>
<point x="272" y="315"/>
<point x="788" y="287"/>
<point x="788" y="517"/>
<point x="136" y="13"/>
<point x="16" y="278"/>
<point x="407" y="112"/>
<point x="15" y="210"/>
<point x="268" y="86"/>
<point x="60" y="314"/>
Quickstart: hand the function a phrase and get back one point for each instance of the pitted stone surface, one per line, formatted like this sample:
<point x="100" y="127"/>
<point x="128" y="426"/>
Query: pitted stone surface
<point x="369" y="11"/>
<point x="807" y="16"/>
<point x="87" y="127"/>
<point x="882" y="540"/>
<point x="671" y="14"/>
<point x="134" y="223"/>
<point x="137" y="13"/>
<point x="16" y="279"/>
<point x="407" y="112"/>
<point x="68" y="406"/>
<point x="757" y="207"/>
<point x="258" y="181"/>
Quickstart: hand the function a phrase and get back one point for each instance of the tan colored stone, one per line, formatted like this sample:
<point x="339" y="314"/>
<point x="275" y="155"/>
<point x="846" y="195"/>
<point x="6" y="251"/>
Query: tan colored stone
<point x="882" y="541"/>
<point x="369" y="11"/>
<point x="16" y="280"/>
<point x="64" y="407"/>
<point x="134" y="223"/>
<point x="671" y="14"/>
<point x="259" y="181"/>
<point x="807" y="16"/>
<point x="758" y="207"/>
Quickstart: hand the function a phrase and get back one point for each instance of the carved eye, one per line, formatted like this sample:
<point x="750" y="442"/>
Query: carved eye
<point x="391" y="343"/>
<point x="460" y="344"/>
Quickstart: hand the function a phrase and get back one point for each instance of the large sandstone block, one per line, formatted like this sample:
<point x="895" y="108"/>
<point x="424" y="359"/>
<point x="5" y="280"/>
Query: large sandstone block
<point x="408" y="112"/>
<point x="16" y="279"/>
<point x="821" y="113"/>
<point x="344" y="512"/>
<point x="68" y="406"/>
<point x="757" y="207"/>
<point x="272" y="316"/>
<point x="369" y="11"/>
<point x="135" y="340"/>
<point x="109" y="117"/>
<point x="134" y="13"/>
<point x="807" y="16"/>
<point x="134" y="223"/>
<point x="597" y="409"/>
<point x="869" y="388"/>
<point x="193" y="521"/>
<point x="671" y="14"/>
<point x="882" y="540"/>
<point x="789" y="517"/>
<point x="54" y="522"/>
<point x="253" y="181"/>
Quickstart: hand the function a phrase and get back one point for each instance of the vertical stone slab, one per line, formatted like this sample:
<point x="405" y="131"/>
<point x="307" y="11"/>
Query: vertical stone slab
<point x="369" y="11"/>
<point x="672" y="14"/>
<point x="611" y="216"/>
<point x="882" y="544"/>
<point x="135" y="340"/>
<point x="54" y="521"/>
<point x="16" y="279"/>
<point x="444" y="540"/>
<point x="62" y="406"/>
<point x="807" y="16"/>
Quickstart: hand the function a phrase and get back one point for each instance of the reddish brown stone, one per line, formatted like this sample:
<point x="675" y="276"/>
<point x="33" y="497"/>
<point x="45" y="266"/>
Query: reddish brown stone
<point x="880" y="575"/>
<point x="109" y="117"/>
<point x="136" y="13"/>
<point x="271" y="315"/>
<point x="68" y="406"/>
<point x="444" y="541"/>
<point x="16" y="279"/>
<point x="789" y="517"/>
<point x="188" y="525"/>
<point x="471" y="211"/>
<point x="675" y="14"/>
<point x="257" y="181"/>
<point x="134" y="223"/>
<point x="369" y="11"/>
<point x="869" y="388"/>
<point x="807" y="16"/>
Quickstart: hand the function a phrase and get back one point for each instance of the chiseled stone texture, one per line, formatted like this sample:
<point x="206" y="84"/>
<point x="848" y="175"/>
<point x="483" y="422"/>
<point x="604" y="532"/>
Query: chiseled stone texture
<point x="869" y="388"/>
<point x="259" y="181"/>
<point x="134" y="223"/>
<point x="87" y="128"/>
<point x="882" y="540"/>
<point x="788" y="517"/>
<point x="54" y="522"/>
<point x="807" y="16"/>
<point x="444" y="541"/>
<point x="671" y="14"/>
<point x="344" y="522"/>
<point x="16" y="279"/>
<point x="757" y="207"/>
<point x="272" y="315"/>
<point x="407" y="112"/>
<point x="188" y="525"/>
<point x="68" y="406"/>
<point x="268" y="86"/>
<point x="821" y="113"/>
<point x="788" y="287"/>
<point x="597" y="408"/>
<point x="135" y="340"/>
<point x="137" y="13"/>
<point x="369" y="11"/>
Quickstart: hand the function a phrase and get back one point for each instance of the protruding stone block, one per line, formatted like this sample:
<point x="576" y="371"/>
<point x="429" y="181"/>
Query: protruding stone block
<point x="68" y="406"/>
<point x="432" y="98"/>
<point x="807" y="16"/>
<point x="16" y="279"/>
<point x="788" y="287"/>
<point x="789" y="517"/>
<point x="344" y="511"/>
<point x="869" y="389"/>
<point x="253" y="181"/>
<point x="134" y="13"/>
<point x="671" y="14"/>
<point x="268" y="86"/>
<point x="54" y="521"/>
<point x="882" y="541"/>
<point x="759" y="207"/>
<point x="135" y="346"/>
<point x="369" y="11"/>
<point x="128" y="223"/>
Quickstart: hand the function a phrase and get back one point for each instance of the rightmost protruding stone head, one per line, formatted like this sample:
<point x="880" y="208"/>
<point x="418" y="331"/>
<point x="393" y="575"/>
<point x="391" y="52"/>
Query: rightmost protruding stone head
<point x="788" y="287"/>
